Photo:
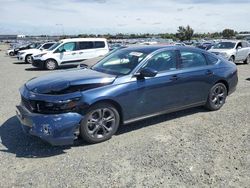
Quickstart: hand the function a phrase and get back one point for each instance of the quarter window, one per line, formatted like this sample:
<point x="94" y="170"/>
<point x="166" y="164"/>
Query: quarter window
<point x="99" y="44"/>
<point x="86" y="45"/>
<point x="47" y="46"/>
<point x="163" y="61"/>
<point x="191" y="59"/>
<point x="211" y="59"/>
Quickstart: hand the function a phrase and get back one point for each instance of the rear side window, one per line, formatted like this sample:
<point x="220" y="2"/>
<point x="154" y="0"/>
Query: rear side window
<point x="191" y="59"/>
<point x="86" y="45"/>
<point x="99" y="44"/>
<point x="211" y="59"/>
<point x="47" y="46"/>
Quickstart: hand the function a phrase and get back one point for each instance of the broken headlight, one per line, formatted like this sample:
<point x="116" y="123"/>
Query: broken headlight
<point x="58" y="106"/>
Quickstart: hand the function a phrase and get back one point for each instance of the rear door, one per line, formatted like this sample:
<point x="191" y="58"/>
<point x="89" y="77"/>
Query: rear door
<point x="86" y="50"/>
<point x="195" y="77"/>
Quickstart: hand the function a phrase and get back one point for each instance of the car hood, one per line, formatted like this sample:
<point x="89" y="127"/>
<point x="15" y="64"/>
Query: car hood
<point x="220" y="50"/>
<point x="30" y="51"/>
<point x="69" y="81"/>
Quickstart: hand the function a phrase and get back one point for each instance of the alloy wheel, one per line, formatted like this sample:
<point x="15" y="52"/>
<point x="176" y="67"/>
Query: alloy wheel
<point x="50" y="64"/>
<point x="100" y="123"/>
<point x="218" y="96"/>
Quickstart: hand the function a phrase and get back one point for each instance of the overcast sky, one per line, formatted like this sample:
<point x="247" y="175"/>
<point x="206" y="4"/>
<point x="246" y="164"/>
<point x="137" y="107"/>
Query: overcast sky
<point x="125" y="16"/>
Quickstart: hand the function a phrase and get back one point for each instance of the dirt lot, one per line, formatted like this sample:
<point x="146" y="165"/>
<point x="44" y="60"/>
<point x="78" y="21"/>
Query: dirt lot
<point x="191" y="148"/>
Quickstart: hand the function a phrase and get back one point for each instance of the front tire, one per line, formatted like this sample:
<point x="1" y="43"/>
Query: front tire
<point x="100" y="123"/>
<point x="217" y="97"/>
<point x="247" y="61"/>
<point x="11" y="54"/>
<point x="232" y="58"/>
<point x="51" y="64"/>
<point x="28" y="59"/>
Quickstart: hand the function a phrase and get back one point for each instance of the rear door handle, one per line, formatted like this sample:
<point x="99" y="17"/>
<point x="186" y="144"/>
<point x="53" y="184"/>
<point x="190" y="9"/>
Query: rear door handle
<point x="81" y="53"/>
<point x="209" y="72"/>
<point x="174" y="77"/>
<point x="73" y="54"/>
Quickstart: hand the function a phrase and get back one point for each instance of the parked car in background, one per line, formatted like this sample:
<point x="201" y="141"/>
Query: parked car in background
<point x="128" y="85"/>
<point x="71" y="52"/>
<point x="205" y="45"/>
<point x="235" y="51"/>
<point x="25" y="47"/>
<point x="26" y="55"/>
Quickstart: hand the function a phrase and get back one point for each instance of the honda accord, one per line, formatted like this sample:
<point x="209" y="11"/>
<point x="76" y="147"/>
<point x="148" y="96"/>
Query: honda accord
<point x="128" y="85"/>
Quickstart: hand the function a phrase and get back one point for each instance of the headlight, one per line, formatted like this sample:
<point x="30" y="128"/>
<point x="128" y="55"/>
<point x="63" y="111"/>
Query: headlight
<point x="39" y="55"/>
<point x="58" y="106"/>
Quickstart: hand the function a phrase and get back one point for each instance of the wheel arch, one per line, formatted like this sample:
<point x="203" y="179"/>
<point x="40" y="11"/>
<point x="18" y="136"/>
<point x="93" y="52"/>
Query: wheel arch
<point x="114" y="103"/>
<point x="225" y="83"/>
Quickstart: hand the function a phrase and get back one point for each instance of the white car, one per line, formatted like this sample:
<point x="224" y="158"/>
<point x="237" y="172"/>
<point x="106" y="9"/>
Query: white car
<point x="235" y="51"/>
<point x="71" y="52"/>
<point x="26" y="55"/>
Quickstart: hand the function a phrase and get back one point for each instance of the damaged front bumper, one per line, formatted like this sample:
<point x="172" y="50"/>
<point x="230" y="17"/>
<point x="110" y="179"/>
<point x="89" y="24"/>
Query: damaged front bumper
<point x="56" y="129"/>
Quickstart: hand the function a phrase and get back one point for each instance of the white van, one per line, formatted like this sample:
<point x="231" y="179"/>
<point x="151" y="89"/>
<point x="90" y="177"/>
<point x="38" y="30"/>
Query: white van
<point x="71" y="52"/>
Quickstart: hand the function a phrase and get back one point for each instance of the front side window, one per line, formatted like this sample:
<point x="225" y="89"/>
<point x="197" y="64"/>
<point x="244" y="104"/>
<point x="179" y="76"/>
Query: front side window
<point x="190" y="59"/>
<point x="244" y="44"/>
<point x="85" y="45"/>
<point x="120" y="62"/>
<point x="163" y="61"/>
<point x="67" y="47"/>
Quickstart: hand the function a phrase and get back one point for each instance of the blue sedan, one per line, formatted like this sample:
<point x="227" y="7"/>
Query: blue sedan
<point x="128" y="85"/>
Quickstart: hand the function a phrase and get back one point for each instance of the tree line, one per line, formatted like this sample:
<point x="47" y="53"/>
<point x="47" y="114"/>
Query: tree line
<point x="184" y="33"/>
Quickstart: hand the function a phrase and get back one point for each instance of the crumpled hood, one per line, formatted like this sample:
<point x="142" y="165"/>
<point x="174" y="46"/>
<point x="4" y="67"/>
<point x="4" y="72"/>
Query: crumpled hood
<point x="69" y="81"/>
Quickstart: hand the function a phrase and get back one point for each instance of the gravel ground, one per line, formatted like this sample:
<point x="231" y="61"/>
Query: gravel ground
<point x="191" y="148"/>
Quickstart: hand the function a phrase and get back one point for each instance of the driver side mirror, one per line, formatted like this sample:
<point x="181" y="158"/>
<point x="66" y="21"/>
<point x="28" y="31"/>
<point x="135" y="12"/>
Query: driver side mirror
<point x="146" y="72"/>
<point x="239" y="47"/>
<point x="62" y="50"/>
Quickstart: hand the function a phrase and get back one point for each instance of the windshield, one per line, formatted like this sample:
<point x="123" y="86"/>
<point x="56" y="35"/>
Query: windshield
<point x="54" y="46"/>
<point x="224" y="45"/>
<point x="120" y="62"/>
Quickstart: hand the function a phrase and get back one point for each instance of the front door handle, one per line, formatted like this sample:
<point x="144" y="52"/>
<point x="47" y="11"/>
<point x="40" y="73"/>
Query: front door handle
<point x="81" y="53"/>
<point x="209" y="73"/>
<point x="174" y="77"/>
<point x="73" y="54"/>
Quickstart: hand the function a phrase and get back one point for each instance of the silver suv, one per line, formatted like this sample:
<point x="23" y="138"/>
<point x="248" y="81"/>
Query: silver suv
<point x="235" y="51"/>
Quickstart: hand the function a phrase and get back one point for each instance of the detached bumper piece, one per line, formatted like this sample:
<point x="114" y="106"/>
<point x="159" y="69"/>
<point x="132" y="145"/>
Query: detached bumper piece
<point x="56" y="129"/>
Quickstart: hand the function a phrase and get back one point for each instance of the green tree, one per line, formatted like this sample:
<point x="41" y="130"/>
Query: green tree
<point x="185" y="33"/>
<point x="228" y="33"/>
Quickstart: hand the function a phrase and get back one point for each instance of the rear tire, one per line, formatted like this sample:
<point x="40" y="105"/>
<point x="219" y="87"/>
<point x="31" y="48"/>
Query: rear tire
<point x="11" y="54"/>
<point x="28" y="59"/>
<point x="247" y="61"/>
<point x="217" y="97"/>
<point x="51" y="64"/>
<point x="100" y="123"/>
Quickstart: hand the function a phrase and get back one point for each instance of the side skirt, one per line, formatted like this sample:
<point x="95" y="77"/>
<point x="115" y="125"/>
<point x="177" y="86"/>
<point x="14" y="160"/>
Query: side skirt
<point x="164" y="112"/>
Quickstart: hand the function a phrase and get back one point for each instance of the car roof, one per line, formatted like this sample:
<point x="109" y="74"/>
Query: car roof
<point x="83" y="39"/>
<point x="151" y="48"/>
